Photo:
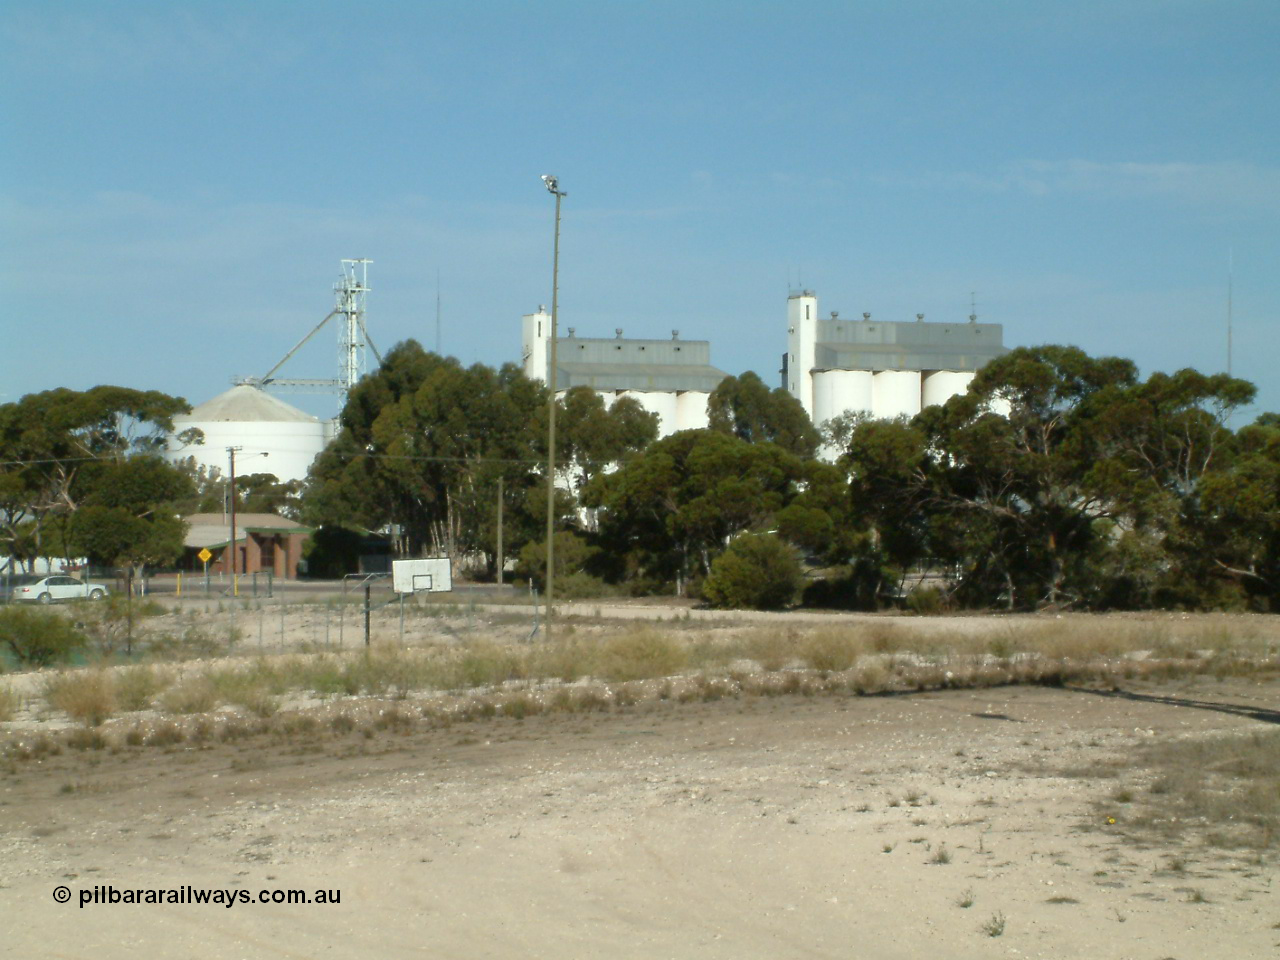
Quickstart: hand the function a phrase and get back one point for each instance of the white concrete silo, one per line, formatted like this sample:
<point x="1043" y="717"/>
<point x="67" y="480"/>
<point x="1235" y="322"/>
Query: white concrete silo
<point x="939" y="386"/>
<point x="896" y="393"/>
<point x="842" y="391"/>
<point x="663" y="403"/>
<point x="691" y="410"/>
<point x="247" y="417"/>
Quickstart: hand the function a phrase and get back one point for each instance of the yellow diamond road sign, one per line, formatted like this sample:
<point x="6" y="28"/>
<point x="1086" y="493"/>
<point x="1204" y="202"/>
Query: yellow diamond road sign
<point x="204" y="555"/>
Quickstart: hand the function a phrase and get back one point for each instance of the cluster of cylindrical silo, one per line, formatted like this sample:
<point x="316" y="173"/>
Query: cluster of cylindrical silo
<point x="683" y="410"/>
<point x="883" y="394"/>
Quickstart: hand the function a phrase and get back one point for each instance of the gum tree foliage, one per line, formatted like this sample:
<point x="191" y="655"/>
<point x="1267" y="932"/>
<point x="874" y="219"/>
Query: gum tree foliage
<point x="255" y="492"/>
<point x="422" y="445"/>
<point x="128" y="516"/>
<point x="666" y="513"/>
<point x="746" y="408"/>
<point x="589" y="436"/>
<point x="1062" y="479"/>
<point x="1019" y="490"/>
<point x="424" y="442"/>
<point x="65" y="450"/>
<point x="1238" y="509"/>
<point x="887" y="517"/>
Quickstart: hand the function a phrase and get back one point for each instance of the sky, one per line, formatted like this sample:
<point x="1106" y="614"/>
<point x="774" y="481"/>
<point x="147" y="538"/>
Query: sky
<point x="181" y="179"/>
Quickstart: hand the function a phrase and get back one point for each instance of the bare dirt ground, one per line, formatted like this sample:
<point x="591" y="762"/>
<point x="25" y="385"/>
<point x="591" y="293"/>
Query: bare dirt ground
<point x="806" y="827"/>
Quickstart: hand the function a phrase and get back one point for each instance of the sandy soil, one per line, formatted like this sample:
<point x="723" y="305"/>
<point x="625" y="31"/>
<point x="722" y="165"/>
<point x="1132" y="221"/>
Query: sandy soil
<point x="785" y="827"/>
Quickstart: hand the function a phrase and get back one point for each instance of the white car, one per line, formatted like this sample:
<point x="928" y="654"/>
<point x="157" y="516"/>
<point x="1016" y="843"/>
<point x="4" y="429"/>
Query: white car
<point x="49" y="589"/>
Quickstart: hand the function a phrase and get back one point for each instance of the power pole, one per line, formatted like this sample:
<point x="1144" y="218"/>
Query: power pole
<point x="553" y="186"/>
<point x="232" y="545"/>
<point x="500" y="559"/>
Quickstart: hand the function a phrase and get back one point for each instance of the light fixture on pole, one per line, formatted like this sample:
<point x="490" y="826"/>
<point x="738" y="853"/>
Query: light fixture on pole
<point x="553" y="187"/>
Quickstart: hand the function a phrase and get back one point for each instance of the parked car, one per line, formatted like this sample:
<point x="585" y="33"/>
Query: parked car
<point x="10" y="583"/>
<point x="47" y="589"/>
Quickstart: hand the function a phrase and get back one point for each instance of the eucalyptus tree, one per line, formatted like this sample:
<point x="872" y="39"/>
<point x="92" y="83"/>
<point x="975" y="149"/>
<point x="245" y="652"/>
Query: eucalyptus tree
<point x="56" y="448"/>
<point x="667" y="512"/>
<point x="745" y="407"/>
<point x="590" y="437"/>
<point x="1012" y="466"/>
<point x="424" y="442"/>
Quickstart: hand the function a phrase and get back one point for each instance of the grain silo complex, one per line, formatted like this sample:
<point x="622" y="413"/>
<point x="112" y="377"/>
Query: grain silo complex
<point x="253" y="420"/>
<point x="672" y="378"/>
<point x="886" y="369"/>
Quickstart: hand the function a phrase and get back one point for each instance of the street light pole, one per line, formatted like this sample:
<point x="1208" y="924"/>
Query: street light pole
<point x="553" y="187"/>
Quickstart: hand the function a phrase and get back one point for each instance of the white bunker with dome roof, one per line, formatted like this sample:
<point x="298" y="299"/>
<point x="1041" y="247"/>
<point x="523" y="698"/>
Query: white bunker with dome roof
<point x="248" y="417"/>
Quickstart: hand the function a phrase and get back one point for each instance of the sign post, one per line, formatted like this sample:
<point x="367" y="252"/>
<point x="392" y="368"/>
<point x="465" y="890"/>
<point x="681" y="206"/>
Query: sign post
<point x="205" y="556"/>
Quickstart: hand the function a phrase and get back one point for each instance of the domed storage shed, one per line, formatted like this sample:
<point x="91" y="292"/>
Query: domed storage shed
<point x="248" y="417"/>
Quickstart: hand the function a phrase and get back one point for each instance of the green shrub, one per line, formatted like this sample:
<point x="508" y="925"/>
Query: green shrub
<point x="37" y="638"/>
<point x="583" y="586"/>
<point x="926" y="601"/>
<point x="758" y="571"/>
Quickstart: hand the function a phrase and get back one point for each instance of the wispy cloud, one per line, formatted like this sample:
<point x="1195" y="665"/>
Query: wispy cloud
<point x="1229" y="184"/>
<point x="98" y="43"/>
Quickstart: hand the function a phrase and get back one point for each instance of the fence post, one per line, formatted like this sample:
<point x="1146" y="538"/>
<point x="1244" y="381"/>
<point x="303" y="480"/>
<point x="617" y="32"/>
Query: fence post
<point x="367" y="588"/>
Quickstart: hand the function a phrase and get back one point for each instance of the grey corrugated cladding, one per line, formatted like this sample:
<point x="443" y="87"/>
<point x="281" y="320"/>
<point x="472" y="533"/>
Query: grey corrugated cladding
<point x="618" y="364"/>
<point x="904" y="345"/>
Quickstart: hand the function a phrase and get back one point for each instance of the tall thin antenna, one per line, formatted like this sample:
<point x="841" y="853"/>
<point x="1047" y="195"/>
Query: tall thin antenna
<point x="438" y="311"/>
<point x="1231" y="275"/>
<point x="352" y="290"/>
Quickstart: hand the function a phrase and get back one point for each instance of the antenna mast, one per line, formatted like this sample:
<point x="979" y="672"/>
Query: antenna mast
<point x="353" y="337"/>
<point x="1231" y="274"/>
<point x="352" y="290"/>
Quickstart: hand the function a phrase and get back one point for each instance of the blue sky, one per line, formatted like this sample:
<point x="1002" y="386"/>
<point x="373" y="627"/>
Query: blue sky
<point x="182" y="178"/>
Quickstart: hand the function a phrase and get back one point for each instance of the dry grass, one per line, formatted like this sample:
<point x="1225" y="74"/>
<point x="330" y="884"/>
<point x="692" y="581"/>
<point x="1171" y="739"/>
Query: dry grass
<point x="196" y="694"/>
<point x="10" y="704"/>
<point x="1226" y="789"/>
<point x="1224" y="792"/>
<point x="136" y="688"/>
<point x="832" y="650"/>
<point x="640" y="655"/>
<point x="87" y="696"/>
<point x="484" y="674"/>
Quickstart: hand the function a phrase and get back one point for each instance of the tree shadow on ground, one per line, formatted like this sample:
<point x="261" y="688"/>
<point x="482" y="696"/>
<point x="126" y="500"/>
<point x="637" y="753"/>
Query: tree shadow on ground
<point x="1261" y="714"/>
